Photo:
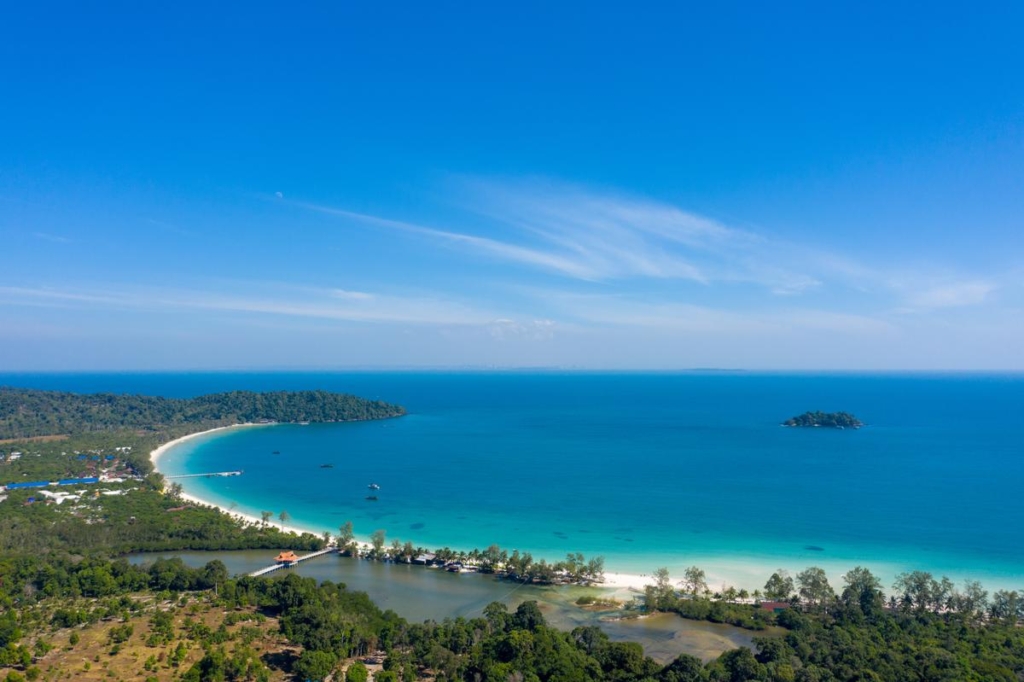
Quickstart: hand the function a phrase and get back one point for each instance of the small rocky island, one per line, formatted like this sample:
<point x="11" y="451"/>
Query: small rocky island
<point x="836" y="420"/>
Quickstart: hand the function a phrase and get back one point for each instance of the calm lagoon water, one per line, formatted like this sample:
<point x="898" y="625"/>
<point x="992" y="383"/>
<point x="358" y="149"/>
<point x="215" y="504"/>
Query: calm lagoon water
<point x="418" y="594"/>
<point x="648" y="470"/>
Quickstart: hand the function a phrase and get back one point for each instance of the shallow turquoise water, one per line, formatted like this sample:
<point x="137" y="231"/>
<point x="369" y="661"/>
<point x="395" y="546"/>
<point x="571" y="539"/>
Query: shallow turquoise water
<point x="645" y="469"/>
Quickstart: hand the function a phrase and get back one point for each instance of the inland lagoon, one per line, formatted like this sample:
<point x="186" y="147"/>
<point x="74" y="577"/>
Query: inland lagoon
<point x="418" y="594"/>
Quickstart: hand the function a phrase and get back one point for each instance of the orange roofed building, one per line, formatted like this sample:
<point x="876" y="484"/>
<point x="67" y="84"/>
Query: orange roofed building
<point x="286" y="558"/>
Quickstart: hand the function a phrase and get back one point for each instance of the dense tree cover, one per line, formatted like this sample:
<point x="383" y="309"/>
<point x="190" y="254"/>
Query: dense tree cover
<point x="27" y="580"/>
<point x="113" y="435"/>
<point x="851" y="636"/>
<point x="929" y="630"/>
<point x="818" y="418"/>
<point x="331" y="624"/>
<point x="696" y="603"/>
<point x="142" y="516"/>
<point x="854" y="638"/>
<point x="859" y="640"/>
<point x="28" y="413"/>
<point x="140" y="520"/>
<point x="84" y="454"/>
<point x="241" y="664"/>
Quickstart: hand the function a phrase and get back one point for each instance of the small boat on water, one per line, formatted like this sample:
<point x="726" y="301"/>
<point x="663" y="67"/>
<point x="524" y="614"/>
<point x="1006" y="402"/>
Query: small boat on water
<point x="371" y="498"/>
<point x="373" y="486"/>
<point x="276" y="452"/>
<point x="326" y="466"/>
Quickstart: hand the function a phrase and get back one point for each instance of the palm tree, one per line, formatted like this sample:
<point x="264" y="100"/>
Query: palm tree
<point x="284" y="516"/>
<point x="266" y="515"/>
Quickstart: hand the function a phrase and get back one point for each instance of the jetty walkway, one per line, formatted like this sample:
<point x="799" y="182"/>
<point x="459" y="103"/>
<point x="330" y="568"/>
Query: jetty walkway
<point x="207" y="475"/>
<point x="288" y="564"/>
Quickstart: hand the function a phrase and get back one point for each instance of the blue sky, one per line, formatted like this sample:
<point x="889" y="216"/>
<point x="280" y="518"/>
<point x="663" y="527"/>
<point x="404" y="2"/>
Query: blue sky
<point x="433" y="185"/>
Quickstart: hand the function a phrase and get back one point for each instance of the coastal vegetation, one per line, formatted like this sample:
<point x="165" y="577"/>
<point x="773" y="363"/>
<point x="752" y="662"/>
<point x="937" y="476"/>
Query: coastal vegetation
<point x="122" y="505"/>
<point x="928" y="629"/>
<point x="201" y="624"/>
<point x="596" y="602"/>
<point x="70" y="608"/>
<point x="26" y="413"/>
<point x="518" y="566"/>
<point x="829" y="419"/>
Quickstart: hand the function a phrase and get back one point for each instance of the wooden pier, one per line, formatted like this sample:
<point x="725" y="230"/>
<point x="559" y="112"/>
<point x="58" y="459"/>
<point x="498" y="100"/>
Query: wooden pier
<point x="207" y="475"/>
<point x="305" y="557"/>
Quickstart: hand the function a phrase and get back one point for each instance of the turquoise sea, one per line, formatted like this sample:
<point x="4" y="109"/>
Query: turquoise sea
<point x="648" y="470"/>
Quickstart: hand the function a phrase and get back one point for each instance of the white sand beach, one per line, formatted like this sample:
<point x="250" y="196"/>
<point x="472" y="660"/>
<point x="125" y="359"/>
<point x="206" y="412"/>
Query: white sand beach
<point x="251" y="519"/>
<point x="740" y="573"/>
<point x="155" y="456"/>
<point x="613" y="579"/>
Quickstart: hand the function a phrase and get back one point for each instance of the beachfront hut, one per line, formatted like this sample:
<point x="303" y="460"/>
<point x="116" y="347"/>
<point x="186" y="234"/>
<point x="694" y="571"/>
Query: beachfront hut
<point x="286" y="558"/>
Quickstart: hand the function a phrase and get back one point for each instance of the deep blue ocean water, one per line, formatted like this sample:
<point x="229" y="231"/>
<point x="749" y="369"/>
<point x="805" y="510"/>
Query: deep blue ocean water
<point x="647" y="470"/>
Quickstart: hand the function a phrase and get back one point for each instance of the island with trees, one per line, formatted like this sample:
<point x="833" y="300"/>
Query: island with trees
<point x="835" y="420"/>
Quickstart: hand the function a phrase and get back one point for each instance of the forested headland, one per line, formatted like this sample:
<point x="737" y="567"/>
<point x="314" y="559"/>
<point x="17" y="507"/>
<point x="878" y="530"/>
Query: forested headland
<point x="27" y="413"/>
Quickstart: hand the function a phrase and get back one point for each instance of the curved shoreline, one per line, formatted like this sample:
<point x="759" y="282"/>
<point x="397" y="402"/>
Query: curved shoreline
<point x="164" y="449"/>
<point x="721" y="570"/>
<point x="613" y="579"/>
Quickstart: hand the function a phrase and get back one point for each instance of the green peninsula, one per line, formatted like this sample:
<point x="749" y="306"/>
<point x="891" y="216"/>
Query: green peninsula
<point x="835" y="420"/>
<point x="28" y="413"/>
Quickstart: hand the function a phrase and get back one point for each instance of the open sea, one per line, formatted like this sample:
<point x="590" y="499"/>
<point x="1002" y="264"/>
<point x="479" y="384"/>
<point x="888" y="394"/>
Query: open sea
<point x="646" y="469"/>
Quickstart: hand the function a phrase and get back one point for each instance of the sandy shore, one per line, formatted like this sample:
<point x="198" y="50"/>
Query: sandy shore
<point x="625" y="581"/>
<point x="252" y="519"/>
<point x="155" y="456"/>
<point x="750" y="574"/>
<point x="614" y="580"/>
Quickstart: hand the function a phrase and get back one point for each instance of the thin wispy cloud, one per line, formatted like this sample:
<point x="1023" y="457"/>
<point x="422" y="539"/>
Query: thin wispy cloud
<point x="351" y="295"/>
<point x="536" y="330"/>
<point x="599" y="237"/>
<point x="326" y="304"/>
<point x="952" y="295"/>
<point x="637" y="312"/>
<point x="52" y="238"/>
<point x="499" y="249"/>
<point x="551" y="268"/>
